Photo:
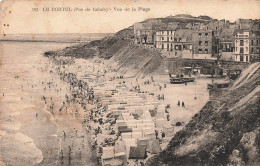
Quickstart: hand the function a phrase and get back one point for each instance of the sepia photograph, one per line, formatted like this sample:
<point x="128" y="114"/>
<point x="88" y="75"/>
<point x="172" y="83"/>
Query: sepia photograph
<point x="130" y="82"/>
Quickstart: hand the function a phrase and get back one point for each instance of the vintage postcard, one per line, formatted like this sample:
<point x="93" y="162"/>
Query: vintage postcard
<point x="129" y="82"/>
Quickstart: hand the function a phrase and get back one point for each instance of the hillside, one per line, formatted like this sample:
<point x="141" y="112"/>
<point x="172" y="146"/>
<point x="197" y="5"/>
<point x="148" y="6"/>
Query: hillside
<point x="182" y="18"/>
<point x="225" y="132"/>
<point x="119" y="49"/>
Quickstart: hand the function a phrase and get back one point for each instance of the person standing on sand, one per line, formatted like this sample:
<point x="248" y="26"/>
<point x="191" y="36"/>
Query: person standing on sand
<point x="183" y="104"/>
<point x="79" y="153"/>
<point x="69" y="150"/>
<point x="156" y="134"/>
<point x="61" y="152"/>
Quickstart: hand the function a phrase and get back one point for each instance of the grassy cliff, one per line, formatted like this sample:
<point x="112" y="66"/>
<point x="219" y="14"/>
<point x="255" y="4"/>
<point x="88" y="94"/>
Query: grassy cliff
<point x="119" y="49"/>
<point x="225" y="132"/>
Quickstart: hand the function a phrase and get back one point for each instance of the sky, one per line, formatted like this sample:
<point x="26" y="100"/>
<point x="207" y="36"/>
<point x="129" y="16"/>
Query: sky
<point x="20" y="16"/>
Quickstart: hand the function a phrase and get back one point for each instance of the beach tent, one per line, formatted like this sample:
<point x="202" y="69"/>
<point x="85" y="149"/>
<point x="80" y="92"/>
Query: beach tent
<point x="114" y="162"/>
<point x="124" y="129"/>
<point x="121" y="156"/>
<point x="150" y="134"/>
<point x="120" y="146"/>
<point x="137" y="134"/>
<point x="143" y="142"/>
<point x="154" y="147"/>
<point x="129" y="143"/>
<point x="127" y="135"/>
<point x="153" y="112"/>
<point x="137" y="152"/>
<point x="108" y="152"/>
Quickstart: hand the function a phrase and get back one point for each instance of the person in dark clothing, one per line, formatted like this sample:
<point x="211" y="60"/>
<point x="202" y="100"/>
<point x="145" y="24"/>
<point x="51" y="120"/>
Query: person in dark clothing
<point x="163" y="134"/>
<point x="61" y="152"/>
<point x="183" y="104"/>
<point x="179" y="103"/>
<point x="156" y="134"/>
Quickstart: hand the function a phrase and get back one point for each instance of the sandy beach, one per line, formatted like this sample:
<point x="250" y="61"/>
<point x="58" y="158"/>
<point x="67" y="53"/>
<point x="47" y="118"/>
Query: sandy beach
<point x="33" y="134"/>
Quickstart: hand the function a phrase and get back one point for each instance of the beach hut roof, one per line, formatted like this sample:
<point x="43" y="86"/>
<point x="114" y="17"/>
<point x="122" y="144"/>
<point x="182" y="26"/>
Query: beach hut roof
<point x="154" y="147"/>
<point x="137" y="152"/>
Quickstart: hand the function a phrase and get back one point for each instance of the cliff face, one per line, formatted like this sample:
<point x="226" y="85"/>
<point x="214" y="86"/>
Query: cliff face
<point x="225" y="132"/>
<point x="118" y="49"/>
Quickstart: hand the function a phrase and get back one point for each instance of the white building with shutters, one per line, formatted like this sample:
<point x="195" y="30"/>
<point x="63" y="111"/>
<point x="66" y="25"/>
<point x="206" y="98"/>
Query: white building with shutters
<point x="242" y="46"/>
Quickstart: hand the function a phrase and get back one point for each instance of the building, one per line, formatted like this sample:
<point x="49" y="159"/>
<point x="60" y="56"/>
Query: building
<point x="254" y="46"/>
<point x="144" y="33"/>
<point x="247" y="45"/>
<point x="226" y="43"/>
<point x="244" y="24"/>
<point x="204" y="44"/>
<point x="164" y="39"/>
<point x="183" y="43"/>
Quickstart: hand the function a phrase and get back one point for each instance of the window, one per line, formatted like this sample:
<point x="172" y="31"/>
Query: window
<point x="241" y="58"/>
<point x="167" y="38"/>
<point x="175" y="40"/>
<point x="241" y="50"/>
<point x="206" y="51"/>
<point x="162" y="38"/>
<point x="206" y="34"/>
<point x="246" y="49"/>
<point x="179" y="39"/>
<point x="252" y="50"/>
<point x="200" y="50"/>
<point x="241" y="43"/>
<point x="200" y="34"/>
<point x="171" y="38"/>
<point x="200" y="43"/>
<point x="206" y="43"/>
<point x="236" y="48"/>
<point x="228" y="45"/>
<point x="252" y="42"/>
<point x="176" y="47"/>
